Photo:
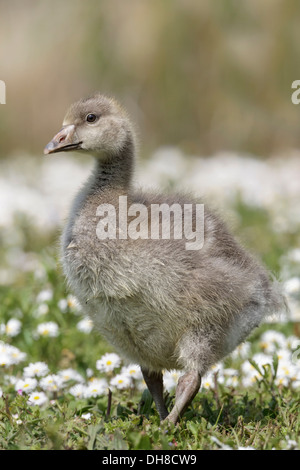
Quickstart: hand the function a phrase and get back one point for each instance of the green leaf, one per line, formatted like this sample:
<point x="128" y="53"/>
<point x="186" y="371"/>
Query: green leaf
<point x="275" y="365"/>
<point x="118" y="442"/>
<point x="193" y="427"/>
<point x="145" y="403"/>
<point x="140" y="441"/>
<point x="93" y="431"/>
<point x="256" y="366"/>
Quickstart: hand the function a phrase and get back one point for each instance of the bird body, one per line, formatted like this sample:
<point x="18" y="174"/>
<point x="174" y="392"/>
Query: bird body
<point x="159" y="304"/>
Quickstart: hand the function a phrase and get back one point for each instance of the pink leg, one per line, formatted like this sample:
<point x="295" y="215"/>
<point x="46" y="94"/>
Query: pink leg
<point x="187" y="387"/>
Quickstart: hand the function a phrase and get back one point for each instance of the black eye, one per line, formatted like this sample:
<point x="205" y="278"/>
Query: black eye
<point x="91" y="117"/>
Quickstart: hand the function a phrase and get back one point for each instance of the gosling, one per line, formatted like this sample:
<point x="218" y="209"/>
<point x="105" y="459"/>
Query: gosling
<point x="160" y="305"/>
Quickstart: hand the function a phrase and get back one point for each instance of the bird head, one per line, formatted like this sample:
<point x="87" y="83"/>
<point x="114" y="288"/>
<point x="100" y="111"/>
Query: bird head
<point x="96" y="124"/>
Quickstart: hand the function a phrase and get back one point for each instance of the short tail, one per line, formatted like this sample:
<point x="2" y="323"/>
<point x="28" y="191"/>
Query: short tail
<point x="277" y="304"/>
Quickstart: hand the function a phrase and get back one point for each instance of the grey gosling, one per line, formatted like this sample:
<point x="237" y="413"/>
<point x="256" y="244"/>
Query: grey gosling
<point x="161" y="305"/>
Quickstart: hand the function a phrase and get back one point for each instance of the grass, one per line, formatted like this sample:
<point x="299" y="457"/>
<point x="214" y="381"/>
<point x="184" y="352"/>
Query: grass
<point x="262" y="416"/>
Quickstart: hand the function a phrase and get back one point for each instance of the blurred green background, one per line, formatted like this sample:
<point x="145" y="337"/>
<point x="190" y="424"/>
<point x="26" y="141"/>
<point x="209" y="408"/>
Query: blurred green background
<point x="203" y="75"/>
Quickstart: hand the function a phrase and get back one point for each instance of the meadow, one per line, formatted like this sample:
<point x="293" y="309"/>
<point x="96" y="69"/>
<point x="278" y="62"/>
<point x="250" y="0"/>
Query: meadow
<point x="63" y="387"/>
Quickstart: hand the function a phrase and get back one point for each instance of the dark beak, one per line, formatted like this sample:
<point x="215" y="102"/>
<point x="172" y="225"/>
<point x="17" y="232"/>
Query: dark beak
<point x="64" y="140"/>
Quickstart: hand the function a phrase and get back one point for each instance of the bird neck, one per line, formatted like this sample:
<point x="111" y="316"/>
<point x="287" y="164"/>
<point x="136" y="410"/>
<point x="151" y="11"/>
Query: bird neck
<point x="114" y="171"/>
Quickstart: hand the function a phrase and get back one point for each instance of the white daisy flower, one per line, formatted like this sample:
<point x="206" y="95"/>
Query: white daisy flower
<point x="268" y="346"/>
<point x="26" y="385"/>
<point x="273" y="338"/>
<point x="283" y="354"/>
<point x="36" y="369"/>
<point x="133" y="371"/>
<point x="294" y="255"/>
<point x="42" y="310"/>
<point x="282" y="380"/>
<point x="85" y="325"/>
<point x="10" y="354"/>
<point x="295" y="383"/>
<point x="51" y="383"/>
<point x="231" y="377"/>
<point x="73" y="303"/>
<point x="18" y="356"/>
<point x="3" y="347"/>
<point x="250" y="379"/>
<point x="250" y="373"/>
<point x="108" y="362"/>
<point x="287" y="368"/>
<point x="208" y="381"/>
<point x="89" y="372"/>
<point x="70" y="374"/>
<point x="62" y="305"/>
<point x="96" y="388"/>
<point x="37" y="398"/>
<point x="120" y="381"/>
<point x="12" y="327"/>
<point x="49" y="329"/>
<point x="44" y="296"/>
<point x="170" y="379"/>
<point x="5" y="359"/>
<point x="292" y="342"/>
<point x="230" y="372"/>
<point x="10" y="379"/>
<point x="78" y="390"/>
<point x="262" y="359"/>
<point x="292" y="285"/>
<point x="242" y="351"/>
<point x="217" y="369"/>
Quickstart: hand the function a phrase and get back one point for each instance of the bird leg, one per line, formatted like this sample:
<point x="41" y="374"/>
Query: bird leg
<point x="187" y="387"/>
<point x="154" y="381"/>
